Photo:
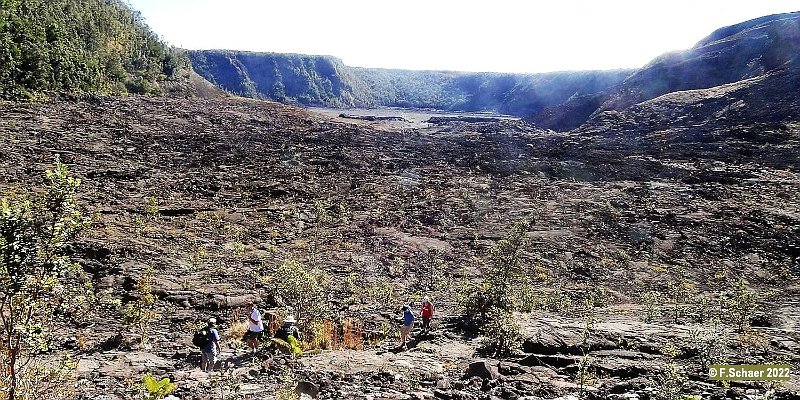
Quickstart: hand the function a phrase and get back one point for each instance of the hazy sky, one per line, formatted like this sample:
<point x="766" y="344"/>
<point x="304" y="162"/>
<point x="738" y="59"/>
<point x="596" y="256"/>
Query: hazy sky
<point x="497" y="35"/>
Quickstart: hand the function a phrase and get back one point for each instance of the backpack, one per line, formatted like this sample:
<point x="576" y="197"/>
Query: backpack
<point x="201" y="338"/>
<point x="282" y="333"/>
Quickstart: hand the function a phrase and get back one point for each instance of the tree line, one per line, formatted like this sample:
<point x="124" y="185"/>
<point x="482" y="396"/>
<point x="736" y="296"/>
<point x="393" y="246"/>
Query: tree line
<point x="80" y="46"/>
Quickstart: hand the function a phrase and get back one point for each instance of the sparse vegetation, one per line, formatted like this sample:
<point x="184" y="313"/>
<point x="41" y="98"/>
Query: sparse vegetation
<point x="139" y="313"/>
<point x="709" y="342"/>
<point x="235" y="332"/>
<point x="741" y="302"/>
<point x="431" y="274"/>
<point x="229" y="385"/>
<point x="626" y="201"/>
<point x="329" y="335"/>
<point x="151" y="207"/>
<point x="303" y="290"/>
<point x="50" y="380"/>
<point x="652" y="303"/>
<point x="37" y="278"/>
<point x="584" y="375"/>
<point x="322" y="335"/>
<point x="286" y="390"/>
<point x="352" y="336"/>
<point x="670" y="382"/>
<point x="501" y="333"/>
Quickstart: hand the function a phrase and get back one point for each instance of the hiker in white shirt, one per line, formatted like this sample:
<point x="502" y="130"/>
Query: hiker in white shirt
<point x="255" y="327"/>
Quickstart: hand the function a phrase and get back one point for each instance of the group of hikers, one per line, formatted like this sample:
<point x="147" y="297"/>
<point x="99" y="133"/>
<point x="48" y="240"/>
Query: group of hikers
<point x="208" y="338"/>
<point x="426" y="311"/>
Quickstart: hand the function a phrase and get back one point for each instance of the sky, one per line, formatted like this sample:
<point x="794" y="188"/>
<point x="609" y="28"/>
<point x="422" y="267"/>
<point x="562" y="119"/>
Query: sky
<point x="486" y="36"/>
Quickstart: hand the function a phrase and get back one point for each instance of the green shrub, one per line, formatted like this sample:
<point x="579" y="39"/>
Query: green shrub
<point x="138" y="313"/>
<point x="554" y="301"/>
<point x="151" y="207"/>
<point x="37" y="278"/>
<point x="305" y="291"/>
<point x="709" y="342"/>
<point x="505" y="282"/>
<point x="473" y="299"/>
<point x="652" y="302"/>
<point x="670" y="383"/>
<point x="703" y="307"/>
<point x="584" y="375"/>
<point x="501" y="333"/>
<point x="741" y="303"/>
<point x="430" y="274"/>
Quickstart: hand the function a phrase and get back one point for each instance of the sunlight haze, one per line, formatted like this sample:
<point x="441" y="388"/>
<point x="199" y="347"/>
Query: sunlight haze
<point x="499" y="36"/>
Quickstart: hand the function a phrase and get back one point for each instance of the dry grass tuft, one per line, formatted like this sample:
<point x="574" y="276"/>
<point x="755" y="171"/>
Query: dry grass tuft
<point x="328" y="335"/>
<point x="82" y="341"/>
<point x="323" y="336"/>
<point x="235" y="333"/>
<point x="274" y="322"/>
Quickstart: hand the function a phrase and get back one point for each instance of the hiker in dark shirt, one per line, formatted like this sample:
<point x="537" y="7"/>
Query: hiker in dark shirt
<point x="288" y="329"/>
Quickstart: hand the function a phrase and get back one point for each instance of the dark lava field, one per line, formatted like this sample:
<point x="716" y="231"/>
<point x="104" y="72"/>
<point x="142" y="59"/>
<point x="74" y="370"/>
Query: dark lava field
<point x="645" y="234"/>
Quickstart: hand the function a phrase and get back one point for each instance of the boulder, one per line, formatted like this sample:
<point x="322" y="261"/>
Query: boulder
<point x="307" y="388"/>
<point x="483" y="369"/>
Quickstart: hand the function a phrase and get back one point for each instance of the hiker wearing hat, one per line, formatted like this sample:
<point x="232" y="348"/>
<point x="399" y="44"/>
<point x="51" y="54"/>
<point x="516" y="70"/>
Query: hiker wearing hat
<point x="211" y="349"/>
<point x="288" y="329"/>
<point x="427" y="314"/>
<point x="408" y="322"/>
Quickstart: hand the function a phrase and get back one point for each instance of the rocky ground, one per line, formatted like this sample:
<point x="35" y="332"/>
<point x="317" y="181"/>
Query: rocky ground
<point x="214" y="195"/>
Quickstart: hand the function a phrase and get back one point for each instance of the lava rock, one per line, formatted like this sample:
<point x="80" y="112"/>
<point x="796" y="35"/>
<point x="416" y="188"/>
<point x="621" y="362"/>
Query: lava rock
<point x="483" y="369"/>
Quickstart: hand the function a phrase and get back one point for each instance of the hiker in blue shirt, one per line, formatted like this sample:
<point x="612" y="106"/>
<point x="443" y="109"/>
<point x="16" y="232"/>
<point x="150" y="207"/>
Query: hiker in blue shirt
<point x="408" y="322"/>
<point x="210" y="351"/>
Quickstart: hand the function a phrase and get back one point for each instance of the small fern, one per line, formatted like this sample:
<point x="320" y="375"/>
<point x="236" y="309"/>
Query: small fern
<point x="156" y="390"/>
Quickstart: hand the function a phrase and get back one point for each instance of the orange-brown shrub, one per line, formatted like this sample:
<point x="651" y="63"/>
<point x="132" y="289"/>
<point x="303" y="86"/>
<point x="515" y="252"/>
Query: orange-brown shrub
<point x="352" y="337"/>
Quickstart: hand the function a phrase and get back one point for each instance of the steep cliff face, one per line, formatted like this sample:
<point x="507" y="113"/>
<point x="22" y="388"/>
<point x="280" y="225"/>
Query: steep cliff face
<point x="739" y="75"/>
<point x="326" y="81"/>
<point x="733" y="56"/>
<point x="742" y="51"/>
<point x="559" y="100"/>
<point x="288" y="78"/>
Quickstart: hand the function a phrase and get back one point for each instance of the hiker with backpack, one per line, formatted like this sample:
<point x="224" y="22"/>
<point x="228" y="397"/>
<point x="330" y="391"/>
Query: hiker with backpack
<point x="255" y="327"/>
<point x="408" y="322"/>
<point x="207" y="339"/>
<point x="427" y="313"/>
